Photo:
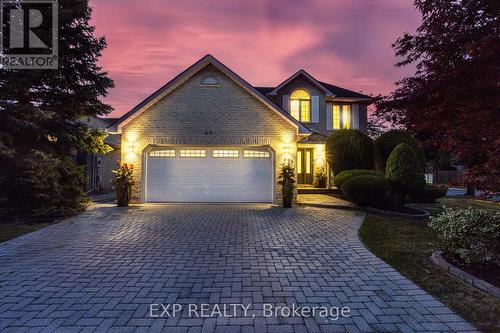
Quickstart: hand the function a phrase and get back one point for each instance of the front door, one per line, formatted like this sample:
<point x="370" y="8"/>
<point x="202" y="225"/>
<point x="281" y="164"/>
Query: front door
<point x="305" y="165"/>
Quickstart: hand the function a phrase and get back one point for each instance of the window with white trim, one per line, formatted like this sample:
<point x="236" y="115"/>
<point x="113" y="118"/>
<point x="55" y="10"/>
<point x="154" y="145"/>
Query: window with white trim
<point x="193" y="153"/>
<point x="300" y="105"/>
<point x="346" y="116"/>
<point x="162" y="153"/>
<point x="336" y="116"/>
<point x="255" y="154"/>
<point x="341" y="116"/>
<point x="226" y="153"/>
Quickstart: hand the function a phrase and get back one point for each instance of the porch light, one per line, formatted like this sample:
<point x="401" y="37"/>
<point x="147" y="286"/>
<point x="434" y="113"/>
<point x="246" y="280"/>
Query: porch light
<point x="130" y="147"/>
<point x="319" y="154"/>
<point x="286" y="152"/>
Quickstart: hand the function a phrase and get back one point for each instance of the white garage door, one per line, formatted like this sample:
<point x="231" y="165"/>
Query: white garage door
<point x="209" y="175"/>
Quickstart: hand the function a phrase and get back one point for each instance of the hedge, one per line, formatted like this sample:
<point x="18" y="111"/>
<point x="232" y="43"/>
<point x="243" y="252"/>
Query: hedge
<point x="349" y="149"/>
<point x="428" y="194"/>
<point x="366" y="190"/>
<point x="346" y="174"/>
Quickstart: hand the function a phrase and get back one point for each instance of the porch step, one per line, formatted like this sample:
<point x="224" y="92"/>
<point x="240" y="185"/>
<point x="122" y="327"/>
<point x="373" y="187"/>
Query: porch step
<point x="313" y="190"/>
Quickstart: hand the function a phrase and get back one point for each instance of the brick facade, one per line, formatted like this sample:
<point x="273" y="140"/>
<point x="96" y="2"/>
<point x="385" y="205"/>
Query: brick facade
<point x="195" y="115"/>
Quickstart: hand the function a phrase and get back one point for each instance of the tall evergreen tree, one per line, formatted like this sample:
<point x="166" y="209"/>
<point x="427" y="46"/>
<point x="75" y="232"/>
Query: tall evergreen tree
<point x="452" y="102"/>
<point x="40" y="131"/>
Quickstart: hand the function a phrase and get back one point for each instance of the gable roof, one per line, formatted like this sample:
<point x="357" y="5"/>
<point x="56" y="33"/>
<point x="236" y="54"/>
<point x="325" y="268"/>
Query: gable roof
<point x="264" y="90"/>
<point x="342" y="92"/>
<point x="308" y="76"/>
<point x="191" y="71"/>
<point x="330" y="90"/>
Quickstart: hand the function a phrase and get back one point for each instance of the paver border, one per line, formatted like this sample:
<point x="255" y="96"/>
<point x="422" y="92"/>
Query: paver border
<point x="438" y="259"/>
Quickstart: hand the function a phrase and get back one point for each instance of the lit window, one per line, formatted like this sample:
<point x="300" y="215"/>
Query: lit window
<point x="346" y="116"/>
<point x="193" y="153"/>
<point x="255" y="154"/>
<point x="300" y="105"/>
<point x="308" y="162"/>
<point x="210" y="80"/>
<point x="295" y="109"/>
<point x="299" y="162"/>
<point x="162" y="153"/>
<point x="305" y="112"/>
<point x="226" y="153"/>
<point x="336" y="117"/>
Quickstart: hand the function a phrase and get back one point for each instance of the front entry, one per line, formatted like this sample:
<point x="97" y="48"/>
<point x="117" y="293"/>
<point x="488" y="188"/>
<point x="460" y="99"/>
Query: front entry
<point x="305" y="166"/>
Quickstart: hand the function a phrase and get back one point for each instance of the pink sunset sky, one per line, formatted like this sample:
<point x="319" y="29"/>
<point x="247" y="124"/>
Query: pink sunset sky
<point x="346" y="43"/>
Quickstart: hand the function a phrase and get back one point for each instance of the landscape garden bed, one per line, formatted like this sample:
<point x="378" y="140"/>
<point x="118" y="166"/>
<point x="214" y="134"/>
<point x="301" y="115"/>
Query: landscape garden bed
<point x="407" y="245"/>
<point x="456" y="268"/>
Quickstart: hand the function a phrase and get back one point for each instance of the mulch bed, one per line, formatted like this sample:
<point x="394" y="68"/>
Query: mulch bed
<point x="489" y="273"/>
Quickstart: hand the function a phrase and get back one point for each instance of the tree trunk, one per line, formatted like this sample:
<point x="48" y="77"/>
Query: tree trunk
<point x="470" y="190"/>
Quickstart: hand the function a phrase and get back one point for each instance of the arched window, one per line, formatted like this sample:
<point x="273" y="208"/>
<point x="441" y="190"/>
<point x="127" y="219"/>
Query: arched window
<point x="210" y="80"/>
<point x="300" y="105"/>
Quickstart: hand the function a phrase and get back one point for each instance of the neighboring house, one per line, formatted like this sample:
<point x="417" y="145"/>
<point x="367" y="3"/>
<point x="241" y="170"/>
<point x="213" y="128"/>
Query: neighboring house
<point x="210" y="136"/>
<point x="99" y="166"/>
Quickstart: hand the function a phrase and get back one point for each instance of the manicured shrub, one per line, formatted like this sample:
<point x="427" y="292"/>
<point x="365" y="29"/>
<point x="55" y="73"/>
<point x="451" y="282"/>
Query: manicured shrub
<point x="320" y="178"/>
<point x="404" y="172"/>
<point x="428" y="194"/>
<point x="469" y="235"/>
<point x="346" y="174"/>
<point x="349" y="149"/>
<point x="386" y="142"/>
<point x="366" y="190"/>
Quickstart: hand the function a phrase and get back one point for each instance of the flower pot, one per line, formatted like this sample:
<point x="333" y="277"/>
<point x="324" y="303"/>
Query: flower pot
<point x="287" y="194"/>
<point x="287" y="200"/>
<point x="123" y="196"/>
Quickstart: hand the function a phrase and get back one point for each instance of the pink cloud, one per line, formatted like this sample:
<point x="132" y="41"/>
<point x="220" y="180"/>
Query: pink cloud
<point x="342" y="42"/>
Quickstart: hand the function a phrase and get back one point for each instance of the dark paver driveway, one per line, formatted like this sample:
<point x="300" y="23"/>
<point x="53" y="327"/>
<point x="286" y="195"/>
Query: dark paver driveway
<point x="102" y="270"/>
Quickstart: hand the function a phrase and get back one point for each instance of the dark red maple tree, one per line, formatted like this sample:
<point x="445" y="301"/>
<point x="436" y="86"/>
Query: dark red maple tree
<point x="452" y="102"/>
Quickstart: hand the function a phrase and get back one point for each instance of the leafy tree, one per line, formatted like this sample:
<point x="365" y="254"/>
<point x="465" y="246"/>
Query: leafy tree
<point x="452" y="101"/>
<point x="40" y="132"/>
<point x="376" y="126"/>
<point x="349" y="149"/>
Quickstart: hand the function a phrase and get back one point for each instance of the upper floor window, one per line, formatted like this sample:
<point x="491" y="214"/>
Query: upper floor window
<point x="300" y="105"/>
<point x="341" y="116"/>
<point x="346" y="116"/>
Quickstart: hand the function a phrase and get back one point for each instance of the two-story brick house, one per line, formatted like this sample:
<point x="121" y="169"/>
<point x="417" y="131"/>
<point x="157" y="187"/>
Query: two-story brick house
<point x="210" y="136"/>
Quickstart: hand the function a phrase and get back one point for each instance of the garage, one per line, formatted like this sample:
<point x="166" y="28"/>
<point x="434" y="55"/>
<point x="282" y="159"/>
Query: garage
<point x="209" y="174"/>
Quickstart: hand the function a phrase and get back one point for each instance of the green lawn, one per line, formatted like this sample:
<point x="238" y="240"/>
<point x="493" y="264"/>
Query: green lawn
<point x="13" y="230"/>
<point x="407" y="245"/>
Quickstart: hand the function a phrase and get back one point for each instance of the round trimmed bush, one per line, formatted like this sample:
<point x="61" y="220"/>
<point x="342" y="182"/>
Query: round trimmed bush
<point x="346" y="174"/>
<point x="366" y="190"/>
<point x="405" y="173"/>
<point x="470" y="235"/>
<point x="428" y="194"/>
<point x="349" y="149"/>
<point x="403" y="168"/>
<point x="386" y="142"/>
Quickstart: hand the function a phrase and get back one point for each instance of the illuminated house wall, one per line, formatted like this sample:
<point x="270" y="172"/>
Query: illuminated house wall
<point x="227" y="111"/>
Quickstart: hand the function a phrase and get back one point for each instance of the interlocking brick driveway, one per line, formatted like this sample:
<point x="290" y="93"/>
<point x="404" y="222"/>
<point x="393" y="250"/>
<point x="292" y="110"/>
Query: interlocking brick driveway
<point x="102" y="269"/>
